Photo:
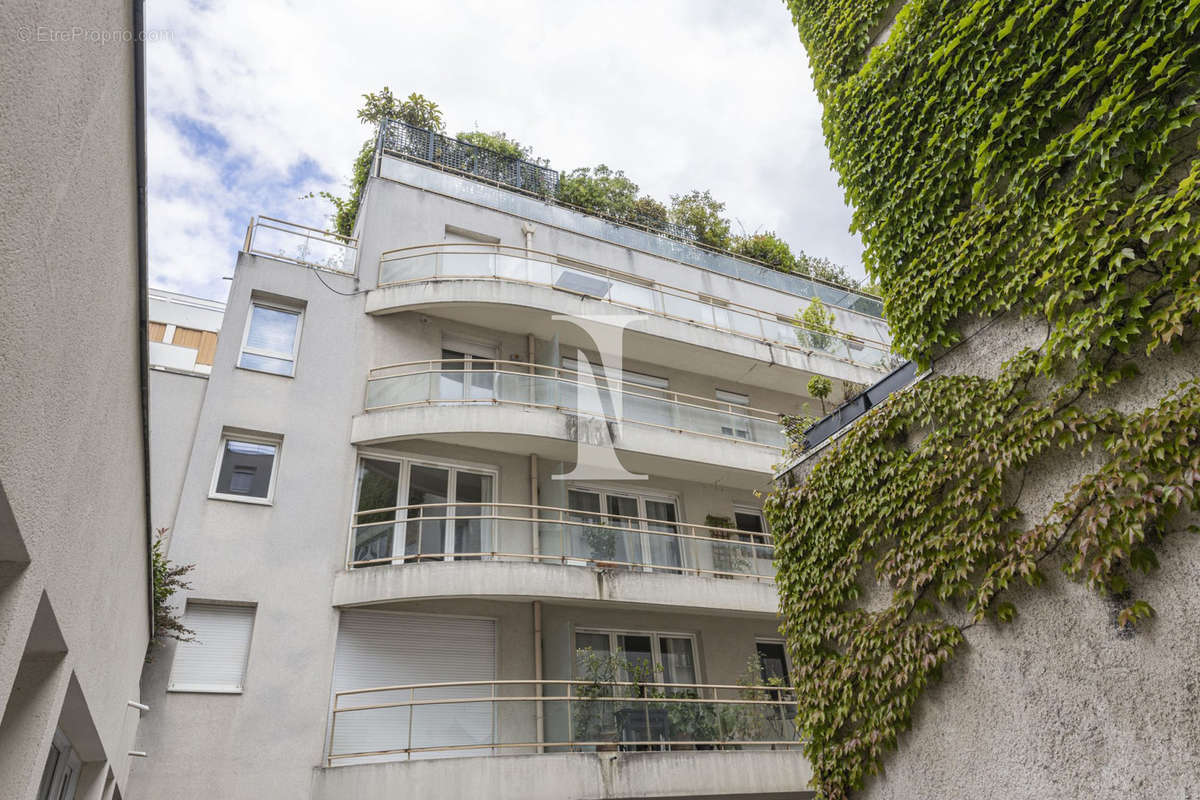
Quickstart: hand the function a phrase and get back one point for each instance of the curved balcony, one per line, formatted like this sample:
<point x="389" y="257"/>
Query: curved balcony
<point x="406" y="276"/>
<point x="400" y="535"/>
<point x="496" y="717"/>
<point x="459" y="382"/>
<point x="521" y="408"/>
<point x="515" y="550"/>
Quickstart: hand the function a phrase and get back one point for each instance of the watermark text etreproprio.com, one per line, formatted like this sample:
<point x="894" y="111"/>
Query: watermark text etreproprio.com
<point x="78" y="33"/>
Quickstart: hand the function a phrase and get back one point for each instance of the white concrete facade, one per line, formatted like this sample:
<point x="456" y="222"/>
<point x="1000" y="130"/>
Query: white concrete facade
<point x="295" y="559"/>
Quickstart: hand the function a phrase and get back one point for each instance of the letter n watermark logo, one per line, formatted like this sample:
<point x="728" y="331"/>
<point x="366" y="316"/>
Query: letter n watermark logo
<point x="599" y="399"/>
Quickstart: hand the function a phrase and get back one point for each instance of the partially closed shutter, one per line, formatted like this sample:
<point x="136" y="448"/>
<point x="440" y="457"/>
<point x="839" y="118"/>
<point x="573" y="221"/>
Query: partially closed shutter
<point x="379" y="648"/>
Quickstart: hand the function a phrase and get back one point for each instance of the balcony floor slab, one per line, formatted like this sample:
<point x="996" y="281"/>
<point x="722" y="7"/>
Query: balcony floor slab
<point x="551" y="433"/>
<point x="704" y="775"/>
<point x="520" y="580"/>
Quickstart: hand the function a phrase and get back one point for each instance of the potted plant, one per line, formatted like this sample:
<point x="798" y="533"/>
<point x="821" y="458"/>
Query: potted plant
<point x="592" y="719"/>
<point x="642" y="721"/>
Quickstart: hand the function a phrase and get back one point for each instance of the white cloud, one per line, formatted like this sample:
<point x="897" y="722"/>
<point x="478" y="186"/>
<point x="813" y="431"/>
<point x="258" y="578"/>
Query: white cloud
<point x="252" y="104"/>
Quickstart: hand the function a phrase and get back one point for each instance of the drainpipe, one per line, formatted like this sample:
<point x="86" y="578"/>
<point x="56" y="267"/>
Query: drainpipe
<point x="143" y="311"/>
<point x="537" y="672"/>
<point x="533" y="501"/>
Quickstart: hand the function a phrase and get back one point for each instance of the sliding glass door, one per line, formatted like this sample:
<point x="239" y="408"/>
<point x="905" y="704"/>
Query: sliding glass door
<point x="418" y="511"/>
<point x="630" y="530"/>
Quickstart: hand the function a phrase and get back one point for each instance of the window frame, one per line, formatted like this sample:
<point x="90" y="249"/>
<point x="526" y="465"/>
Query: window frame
<point x="60" y="778"/>
<point x="199" y="688"/>
<point x="249" y="438"/>
<point x="655" y="648"/>
<point x="659" y="496"/>
<point x="286" y="308"/>
<point x="406" y="462"/>
<point x="760" y="550"/>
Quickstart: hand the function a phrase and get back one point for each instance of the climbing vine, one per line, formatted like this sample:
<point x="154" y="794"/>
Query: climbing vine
<point x="1037" y="157"/>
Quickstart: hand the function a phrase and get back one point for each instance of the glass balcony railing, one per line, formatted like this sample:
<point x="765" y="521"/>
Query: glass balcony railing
<point x="299" y="244"/>
<point x="459" y="382"/>
<point x="495" y="717"/>
<point x="544" y="534"/>
<point x="863" y="344"/>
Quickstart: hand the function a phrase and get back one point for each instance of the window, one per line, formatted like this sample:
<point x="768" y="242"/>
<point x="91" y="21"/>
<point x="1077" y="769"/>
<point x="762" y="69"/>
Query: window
<point x="664" y="657"/>
<point x="246" y="469"/>
<point x="216" y="660"/>
<point x="61" y="774"/>
<point x="736" y="423"/>
<point x="272" y="339"/>
<point x="430" y="512"/>
<point x="750" y="520"/>
<point x="623" y="528"/>
<point x="773" y="666"/>
<point x="466" y="376"/>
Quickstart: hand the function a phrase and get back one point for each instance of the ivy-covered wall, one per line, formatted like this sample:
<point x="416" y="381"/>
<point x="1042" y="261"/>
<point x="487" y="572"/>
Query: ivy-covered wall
<point x="1015" y="165"/>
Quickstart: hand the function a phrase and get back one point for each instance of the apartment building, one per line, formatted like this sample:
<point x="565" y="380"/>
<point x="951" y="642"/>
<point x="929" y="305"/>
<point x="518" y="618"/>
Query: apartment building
<point x="449" y="542"/>
<point x="75" y="599"/>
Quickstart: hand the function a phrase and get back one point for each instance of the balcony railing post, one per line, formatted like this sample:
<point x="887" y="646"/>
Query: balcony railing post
<point x="570" y="719"/>
<point x="412" y="696"/>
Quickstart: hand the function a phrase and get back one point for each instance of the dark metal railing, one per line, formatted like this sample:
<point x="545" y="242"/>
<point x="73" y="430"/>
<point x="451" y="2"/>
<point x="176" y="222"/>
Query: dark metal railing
<point x="408" y="141"/>
<point x="418" y="144"/>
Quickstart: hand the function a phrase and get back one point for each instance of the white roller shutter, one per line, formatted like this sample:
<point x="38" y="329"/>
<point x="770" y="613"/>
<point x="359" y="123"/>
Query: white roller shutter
<point x="379" y="648"/>
<point x="216" y="660"/>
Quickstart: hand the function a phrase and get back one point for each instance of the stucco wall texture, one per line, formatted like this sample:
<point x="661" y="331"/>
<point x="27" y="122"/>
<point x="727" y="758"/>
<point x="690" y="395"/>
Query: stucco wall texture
<point x="71" y="449"/>
<point x="1060" y="704"/>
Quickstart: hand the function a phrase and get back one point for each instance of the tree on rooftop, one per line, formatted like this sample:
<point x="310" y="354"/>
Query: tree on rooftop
<point x="602" y="190"/>
<point x="767" y="248"/>
<point x="823" y="269"/>
<point x="701" y="214"/>
<point x="497" y="141"/>
<point x="416" y="110"/>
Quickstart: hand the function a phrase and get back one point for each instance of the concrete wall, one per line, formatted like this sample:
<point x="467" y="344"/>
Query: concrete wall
<point x="175" y="400"/>
<point x="74" y="618"/>
<point x="1060" y="704"/>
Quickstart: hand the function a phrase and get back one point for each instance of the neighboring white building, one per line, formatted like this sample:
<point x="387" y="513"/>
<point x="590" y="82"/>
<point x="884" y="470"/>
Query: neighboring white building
<point x="183" y="340"/>
<point x="183" y="332"/>
<point x="371" y="501"/>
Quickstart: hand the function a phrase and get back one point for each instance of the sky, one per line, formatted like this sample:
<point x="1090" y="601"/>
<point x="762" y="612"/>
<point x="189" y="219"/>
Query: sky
<point x="251" y="105"/>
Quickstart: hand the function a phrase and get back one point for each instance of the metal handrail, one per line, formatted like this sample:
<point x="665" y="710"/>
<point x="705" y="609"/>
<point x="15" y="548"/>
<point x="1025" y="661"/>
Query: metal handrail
<point x="523" y="368"/>
<point x="305" y="232"/>
<point x="760" y="539"/>
<point x="775" y="704"/>
<point x="852" y="341"/>
<point x="742" y="550"/>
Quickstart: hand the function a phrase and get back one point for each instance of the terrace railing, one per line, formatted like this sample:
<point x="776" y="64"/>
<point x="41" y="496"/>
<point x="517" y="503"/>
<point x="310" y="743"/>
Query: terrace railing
<point x="411" y="534"/>
<point x="419" y="144"/>
<point x="456" y="261"/>
<point x="300" y="244"/>
<point x="494" y="717"/>
<point x="471" y="381"/>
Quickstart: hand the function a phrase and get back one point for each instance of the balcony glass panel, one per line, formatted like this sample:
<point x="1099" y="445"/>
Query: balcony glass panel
<point x="861" y="343"/>
<point x="449" y="382"/>
<point x="468" y="265"/>
<point x="491" y="717"/>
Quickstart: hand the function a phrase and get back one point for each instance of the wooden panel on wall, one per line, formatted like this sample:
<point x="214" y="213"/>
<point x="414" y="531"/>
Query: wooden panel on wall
<point x="208" y="348"/>
<point x="187" y="337"/>
<point x="156" y="331"/>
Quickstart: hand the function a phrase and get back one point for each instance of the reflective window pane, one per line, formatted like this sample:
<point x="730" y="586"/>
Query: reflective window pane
<point x="273" y="330"/>
<point x="246" y="468"/>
